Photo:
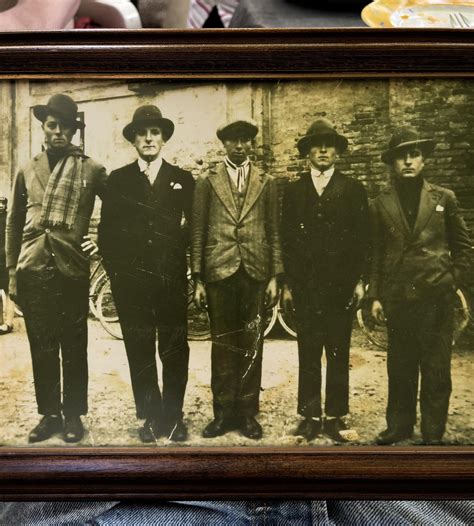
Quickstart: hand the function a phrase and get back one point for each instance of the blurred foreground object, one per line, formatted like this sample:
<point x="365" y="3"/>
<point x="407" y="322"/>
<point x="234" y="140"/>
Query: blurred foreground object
<point x="19" y="15"/>
<point x="457" y="14"/>
<point x="111" y="13"/>
<point x="200" y="10"/>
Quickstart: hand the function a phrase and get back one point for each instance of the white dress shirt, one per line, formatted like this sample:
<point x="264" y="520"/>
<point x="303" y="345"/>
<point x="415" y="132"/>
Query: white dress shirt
<point x="199" y="11"/>
<point x="150" y="169"/>
<point x="321" y="179"/>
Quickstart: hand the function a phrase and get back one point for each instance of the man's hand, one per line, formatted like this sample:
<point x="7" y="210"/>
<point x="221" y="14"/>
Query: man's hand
<point x="89" y="246"/>
<point x="358" y="294"/>
<point x="287" y="300"/>
<point x="271" y="293"/>
<point x="12" y="289"/>
<point x="200" y="295"/>
<point x="377" y="312"/>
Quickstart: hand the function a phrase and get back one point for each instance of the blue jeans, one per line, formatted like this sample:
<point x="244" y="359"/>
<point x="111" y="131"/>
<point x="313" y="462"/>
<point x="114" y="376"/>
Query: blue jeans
<point x="239" y="513"/>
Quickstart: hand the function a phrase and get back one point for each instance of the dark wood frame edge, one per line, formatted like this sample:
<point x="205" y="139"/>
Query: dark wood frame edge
<point x="336" y="472"/>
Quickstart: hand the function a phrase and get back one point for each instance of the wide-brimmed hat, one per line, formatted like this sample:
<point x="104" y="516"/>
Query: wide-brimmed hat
<point x="148" y="115"/>
<point x="60" y="106"/>
<point x="321" y="128"/>
<point x="404" y="138"/>
<point x="237" y="128"/>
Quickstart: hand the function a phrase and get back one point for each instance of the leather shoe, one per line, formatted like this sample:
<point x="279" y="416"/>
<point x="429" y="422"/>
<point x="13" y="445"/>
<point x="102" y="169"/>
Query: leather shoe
<point x="73" y="429"/>
<point x="250" y="428"/>
<point x="216" y="428"/>
<point x="333" y="427"/>
<point x="432" y="441"/>
<point x="178" y="432"/>
<point x="47" y="427"/>
<point x="150" y="431"/>
<point x="392" y="436"/>
<point x="309" y="428"/>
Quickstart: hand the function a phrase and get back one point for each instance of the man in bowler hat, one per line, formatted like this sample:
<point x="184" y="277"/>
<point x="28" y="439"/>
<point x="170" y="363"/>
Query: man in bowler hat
<point x="143" y="243"/>
<point x="324" y="236"/>
<point x="47" y="245"/>
<point x="236" y="258"/>
<point x="421" y="248"/>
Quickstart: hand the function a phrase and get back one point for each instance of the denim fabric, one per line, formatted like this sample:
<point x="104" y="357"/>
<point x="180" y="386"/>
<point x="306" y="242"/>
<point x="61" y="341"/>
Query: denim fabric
<point x="239" y="513"/>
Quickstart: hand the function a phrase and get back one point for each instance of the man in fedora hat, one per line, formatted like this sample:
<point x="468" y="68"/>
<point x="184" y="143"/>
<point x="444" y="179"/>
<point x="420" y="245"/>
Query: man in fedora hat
<point x="47" y="244"/>
<point x="324" y="236"/>
<point x="144" y="244"/>
<point x="235" y="259"/>
<point x="421" y="248"/>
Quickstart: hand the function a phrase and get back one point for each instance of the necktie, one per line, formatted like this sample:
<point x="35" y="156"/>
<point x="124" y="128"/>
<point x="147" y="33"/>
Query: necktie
<point x="146" y="171"/>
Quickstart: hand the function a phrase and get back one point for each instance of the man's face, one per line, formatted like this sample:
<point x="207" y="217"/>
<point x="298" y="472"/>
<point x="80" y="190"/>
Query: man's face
<point x="408" y="162"/>
<point x="148" y="142"/>
<point x="323" y="154"/>
<point x="57" y="134"/>
<point x="238" y="149"/>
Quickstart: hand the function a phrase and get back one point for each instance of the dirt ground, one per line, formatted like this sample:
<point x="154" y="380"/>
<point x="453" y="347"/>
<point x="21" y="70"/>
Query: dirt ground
<point x="111" y="420"/>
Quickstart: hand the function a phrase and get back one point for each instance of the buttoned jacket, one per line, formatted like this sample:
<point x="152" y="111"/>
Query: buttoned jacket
<point x="422" y="263"/>
<point x="30" y="246"/>
<point x="222" y="239"/>
<point x="144" y="224"/>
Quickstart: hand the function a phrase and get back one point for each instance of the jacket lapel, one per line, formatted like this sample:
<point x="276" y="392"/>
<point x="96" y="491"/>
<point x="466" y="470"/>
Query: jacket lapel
<point x="334" y="187"/>
<point x="161" y="183"/>
<point x="428" y="201"/>
<point x="220" y="182"/>
<point x="392" y="206"/>
<point x="42" y="170"/>
<point x="255" y="187"/>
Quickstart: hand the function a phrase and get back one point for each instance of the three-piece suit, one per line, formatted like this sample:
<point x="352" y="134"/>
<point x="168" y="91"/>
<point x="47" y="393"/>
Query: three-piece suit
<point x="324" y="239"/>
<point x="143" y="240"/>
<point x="236" y="249"/>
<point x="53" y="284"/>
<point x="415" y="272"/>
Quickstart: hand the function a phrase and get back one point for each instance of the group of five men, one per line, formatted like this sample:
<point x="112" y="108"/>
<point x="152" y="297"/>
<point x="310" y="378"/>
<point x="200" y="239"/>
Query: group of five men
<point x="243" y="257"/>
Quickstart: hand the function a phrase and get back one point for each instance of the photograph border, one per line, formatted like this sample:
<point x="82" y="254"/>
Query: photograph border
<point x="415" y="472"/>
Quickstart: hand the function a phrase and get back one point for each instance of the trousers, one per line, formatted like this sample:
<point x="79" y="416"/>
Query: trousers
<point x="238" y="513"/>
<point x="235" y="311"/>
<point x="55" y="309"/>
<point x="420" y="335"/>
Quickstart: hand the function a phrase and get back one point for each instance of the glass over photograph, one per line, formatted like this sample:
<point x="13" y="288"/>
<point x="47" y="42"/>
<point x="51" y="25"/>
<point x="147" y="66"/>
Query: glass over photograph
<point x="236" y="263"/>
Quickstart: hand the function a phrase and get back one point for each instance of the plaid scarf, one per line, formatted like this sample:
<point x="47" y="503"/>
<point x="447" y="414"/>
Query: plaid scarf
<point x="61" y="197"/>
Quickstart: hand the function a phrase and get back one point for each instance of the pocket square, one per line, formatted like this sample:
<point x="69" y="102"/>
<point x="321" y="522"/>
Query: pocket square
<point x="439" y="208"/>
<point x="176" y="186"/>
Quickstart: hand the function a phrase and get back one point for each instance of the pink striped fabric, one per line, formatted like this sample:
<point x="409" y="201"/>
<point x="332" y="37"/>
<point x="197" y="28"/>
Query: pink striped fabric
<point x="199" y="11"/>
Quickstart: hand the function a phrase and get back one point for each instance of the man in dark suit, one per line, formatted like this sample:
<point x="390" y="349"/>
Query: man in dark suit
<point x="421" y="248"/>
<point x="47" y="239"/>
<point x="143" y="243"/>
<point x="324" y="236"/>
<point x="236" y="258"/>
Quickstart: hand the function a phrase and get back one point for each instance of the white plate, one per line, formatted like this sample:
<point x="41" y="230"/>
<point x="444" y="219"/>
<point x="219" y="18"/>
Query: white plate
<point x="431" y="16"/>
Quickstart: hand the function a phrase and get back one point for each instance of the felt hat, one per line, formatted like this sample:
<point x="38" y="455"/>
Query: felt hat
<point x="321" y="128"/>
<point x="148" y="115"/>
<point x="60" y="106"/>
<point x="404" y="138"/>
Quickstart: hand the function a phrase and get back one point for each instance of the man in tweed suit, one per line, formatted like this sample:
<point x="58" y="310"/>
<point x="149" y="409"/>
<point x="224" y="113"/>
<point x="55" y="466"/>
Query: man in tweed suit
<point x="48" y="221"/>
<point x="421" y="248"/>
<point x="236" y="258"/>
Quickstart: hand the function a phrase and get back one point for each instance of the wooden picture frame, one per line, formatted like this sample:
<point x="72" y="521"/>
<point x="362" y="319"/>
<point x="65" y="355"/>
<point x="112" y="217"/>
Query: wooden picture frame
<point x="251" y="472"/>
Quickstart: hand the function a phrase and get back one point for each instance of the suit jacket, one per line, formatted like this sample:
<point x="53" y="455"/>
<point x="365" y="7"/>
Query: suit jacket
<point x="222" y="240"/>
<point x="325" y="238"/>
<point x="142" y="224"/>
<point x="423" y="263"/>
<point x="30" y="246"/>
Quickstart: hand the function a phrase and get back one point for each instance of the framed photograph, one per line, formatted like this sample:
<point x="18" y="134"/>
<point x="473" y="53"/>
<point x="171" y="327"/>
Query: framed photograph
<point x="237" y="264"/>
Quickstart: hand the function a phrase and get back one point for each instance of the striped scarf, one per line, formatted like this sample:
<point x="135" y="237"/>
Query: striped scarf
<point x="199" y="11"/>
<point x="61" y="197"/>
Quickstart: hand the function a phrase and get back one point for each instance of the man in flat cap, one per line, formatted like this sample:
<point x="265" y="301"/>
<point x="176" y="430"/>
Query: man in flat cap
<point x="47" y="244"/>
<point x="236" y="258"/>
<point x="421" y="248"/>
<point x="143" y="243"/>
<point x="324" y="237"/>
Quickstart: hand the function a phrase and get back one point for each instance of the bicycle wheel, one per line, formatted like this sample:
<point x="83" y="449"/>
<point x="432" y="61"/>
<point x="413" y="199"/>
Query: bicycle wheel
<point x="107" y="312"/>
<point x="375" y="332"/>
<point x="462" y="315"/>
<point x="270" y="318"/>
<point x="287" y="321"/>
<point x="94" y="289"/>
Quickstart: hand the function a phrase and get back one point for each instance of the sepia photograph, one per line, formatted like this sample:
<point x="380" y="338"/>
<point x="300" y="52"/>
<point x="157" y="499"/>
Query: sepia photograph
<point x="236" y="263"/>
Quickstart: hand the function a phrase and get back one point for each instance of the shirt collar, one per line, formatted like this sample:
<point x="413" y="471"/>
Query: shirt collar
<point x="327" y="174"/>
<point x="154" y="165"/>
